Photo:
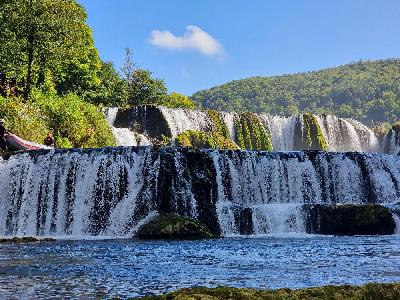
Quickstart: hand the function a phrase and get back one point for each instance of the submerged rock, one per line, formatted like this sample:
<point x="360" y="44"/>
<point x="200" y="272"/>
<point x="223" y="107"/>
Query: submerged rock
<point x="25" y="239"/>
<point x="350" y="220"/>
<point x="246" y="222"/>
<point x="172" y="227"/>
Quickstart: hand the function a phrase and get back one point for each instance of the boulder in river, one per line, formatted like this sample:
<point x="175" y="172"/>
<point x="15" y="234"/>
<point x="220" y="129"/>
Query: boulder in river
<point x="172" y="227"/>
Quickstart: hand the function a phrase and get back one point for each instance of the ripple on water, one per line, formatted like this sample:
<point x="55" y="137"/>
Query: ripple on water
<point x="127" y="268"/>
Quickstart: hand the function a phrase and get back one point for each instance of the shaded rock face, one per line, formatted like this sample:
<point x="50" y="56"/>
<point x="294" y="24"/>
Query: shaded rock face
<point x="113" y="191"/>
<point x="144" y="119"/>
<point x="350" y="220"/>
<point x="172" y="227"/>
<point x="246" y="222"/>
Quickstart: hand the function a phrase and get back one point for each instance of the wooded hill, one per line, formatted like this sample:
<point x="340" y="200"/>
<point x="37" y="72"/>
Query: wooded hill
<point x="365" y="90"/>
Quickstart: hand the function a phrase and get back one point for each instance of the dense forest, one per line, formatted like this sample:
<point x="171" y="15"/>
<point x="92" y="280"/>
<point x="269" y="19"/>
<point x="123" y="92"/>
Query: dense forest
<point x="53" y="80"/>
<point x="366" y="90"/>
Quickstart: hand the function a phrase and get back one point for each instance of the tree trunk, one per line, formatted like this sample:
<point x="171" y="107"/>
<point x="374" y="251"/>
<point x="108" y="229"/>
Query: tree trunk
<point x="29" y="79"/>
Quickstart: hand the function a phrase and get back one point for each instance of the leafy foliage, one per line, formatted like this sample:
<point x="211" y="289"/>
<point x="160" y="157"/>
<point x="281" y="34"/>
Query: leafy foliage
<point x="24" y="119"/>
<point x="367" y="91"/>
<point x="175" y="100"/>
<point x="47" y="42"/>
<point x="73" y="122"/>
<point x="202" y="139"/>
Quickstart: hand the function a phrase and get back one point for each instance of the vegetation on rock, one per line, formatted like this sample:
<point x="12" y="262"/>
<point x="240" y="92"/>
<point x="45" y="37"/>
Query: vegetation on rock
<point x="202" y="139"/>
<point x="250" y="134"/>
<point x="367" y="91"/>
<point x="172" y="227"/>
<point x="350" y="220"/>
<point x="218" y="125"/>
<point x="313" y="135"/>
<point x="376" y="291"/>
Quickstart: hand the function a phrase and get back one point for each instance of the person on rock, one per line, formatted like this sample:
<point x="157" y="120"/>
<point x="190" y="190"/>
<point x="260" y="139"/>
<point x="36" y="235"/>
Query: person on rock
<point x="49" y="140"/>
<point x="3" y="134"/>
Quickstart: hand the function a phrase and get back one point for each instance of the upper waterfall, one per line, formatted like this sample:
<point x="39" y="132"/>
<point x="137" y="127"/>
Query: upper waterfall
<point x="293" y="133"/>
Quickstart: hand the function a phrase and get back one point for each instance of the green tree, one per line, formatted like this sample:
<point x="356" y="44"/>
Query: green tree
<point x="113" y="89"/>
<point x="178" y="100"/>
<point x="48" y="38"/>
<point x="142" y="87"/>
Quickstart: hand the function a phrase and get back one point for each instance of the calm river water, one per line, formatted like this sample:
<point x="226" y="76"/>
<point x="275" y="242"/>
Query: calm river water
<point x="128" y="268"/>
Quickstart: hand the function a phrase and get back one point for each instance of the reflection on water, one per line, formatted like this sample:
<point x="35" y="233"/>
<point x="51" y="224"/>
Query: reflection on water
<point x="128" y="268"/>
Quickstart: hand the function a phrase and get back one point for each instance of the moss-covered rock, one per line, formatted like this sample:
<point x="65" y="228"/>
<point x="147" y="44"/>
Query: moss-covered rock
<point x="251" y="134"/>
<point x="375" y="291"/>
<point x="350" y="220"/>
<point x="202" y="139"/>
<point x="218" y="124"/>
<point x="172" y="227"/>
<point x="312" y="135"/>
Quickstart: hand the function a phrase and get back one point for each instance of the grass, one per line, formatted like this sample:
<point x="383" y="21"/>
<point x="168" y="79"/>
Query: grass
<point x="373" y="291"/>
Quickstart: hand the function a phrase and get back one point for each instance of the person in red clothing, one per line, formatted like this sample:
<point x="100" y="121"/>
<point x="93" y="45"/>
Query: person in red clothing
<point x="49" y="140"/>
<point x="3" y="134"/>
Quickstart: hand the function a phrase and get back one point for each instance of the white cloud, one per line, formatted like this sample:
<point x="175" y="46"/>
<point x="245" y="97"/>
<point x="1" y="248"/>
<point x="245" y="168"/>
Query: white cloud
<point x="194" y="38"/>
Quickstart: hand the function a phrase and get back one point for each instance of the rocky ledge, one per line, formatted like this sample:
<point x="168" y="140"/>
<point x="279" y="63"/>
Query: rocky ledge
<point x="172" y="227"/>
<point x="350" y="220"/>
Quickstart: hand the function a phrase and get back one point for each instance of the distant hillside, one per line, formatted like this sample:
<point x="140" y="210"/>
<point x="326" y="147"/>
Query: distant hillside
<point x="366" y="90"/>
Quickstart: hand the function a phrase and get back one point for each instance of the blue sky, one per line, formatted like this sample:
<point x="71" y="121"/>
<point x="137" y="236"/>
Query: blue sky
<point x="197" y="44"/>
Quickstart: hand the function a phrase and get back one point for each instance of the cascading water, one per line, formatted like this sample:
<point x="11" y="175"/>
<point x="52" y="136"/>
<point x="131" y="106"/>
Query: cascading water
<point x="124" y="136"/>
<point x="390" y="144"/>
<point x="180" y="120"/>
<point x="340" y="134"/>
<point x="111" y="191"/>
<point x="347" y="135"/>
<point x="282" y="131"/>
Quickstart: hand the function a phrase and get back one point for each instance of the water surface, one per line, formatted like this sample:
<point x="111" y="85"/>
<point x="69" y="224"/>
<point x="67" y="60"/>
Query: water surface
<point x="128" y="268"/>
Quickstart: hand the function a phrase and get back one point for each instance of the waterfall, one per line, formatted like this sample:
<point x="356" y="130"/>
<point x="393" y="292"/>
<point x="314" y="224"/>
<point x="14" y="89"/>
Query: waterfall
<point x="276" y="186"/>
<point x="123" y="136"/>
<point x="282" y="131"/>
<point x="390" y="143"/>
<point x="112" y="191"/>
<point x="76" y="193"/>
<point x="347" y="135"/>
<point x="396" y="219"/>
<point x="145" y="125"/>
<point x="180" y="120"/>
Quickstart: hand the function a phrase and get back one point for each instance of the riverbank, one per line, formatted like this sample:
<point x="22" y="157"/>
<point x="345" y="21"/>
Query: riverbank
<point x="373" y="291"/>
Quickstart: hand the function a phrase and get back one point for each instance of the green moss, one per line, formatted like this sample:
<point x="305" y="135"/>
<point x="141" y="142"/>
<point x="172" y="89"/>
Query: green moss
<point x="251" y="134"/>
<point x="313" y="134"/>
<point x="174" y="227"/>
<point x="375" y="291"/>
<point x="202" y="139"/>
<point x="218" y="125"/>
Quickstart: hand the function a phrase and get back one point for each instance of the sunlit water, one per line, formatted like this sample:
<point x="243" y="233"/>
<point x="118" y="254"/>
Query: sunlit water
<point x="128" y="268"/>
